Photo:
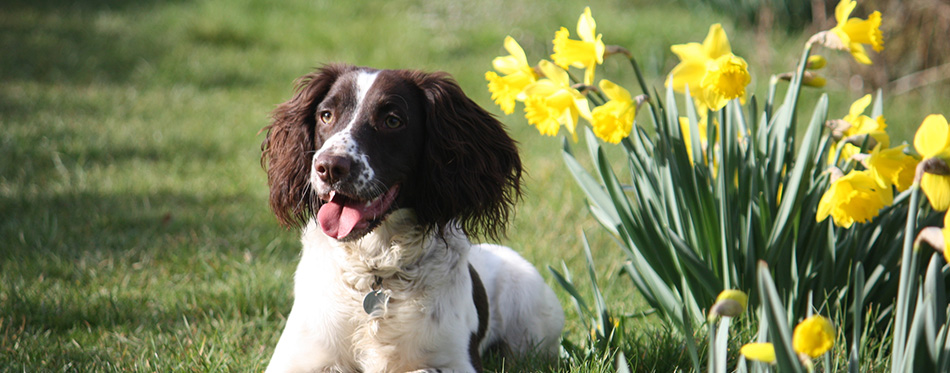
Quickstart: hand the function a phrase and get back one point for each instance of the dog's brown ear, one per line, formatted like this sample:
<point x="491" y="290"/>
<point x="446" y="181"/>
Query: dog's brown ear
<point x="471" y="165"/>
<point x="290" y="143"/>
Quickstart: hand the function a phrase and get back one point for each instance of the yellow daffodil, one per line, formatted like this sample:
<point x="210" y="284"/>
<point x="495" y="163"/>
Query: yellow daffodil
<point x="613" y="120"/>
<point x="932" y="141"/>
<point x="714" y="75"/>
<point x="860" y="130"/>
<point x="946" y="236"/>
<point x="933" y="137"/>
<point x="551" y="101"/>
<point x="813" y="336"/>
<point x="505" y="90"/>
<point x="762" y="352"/>
<point x="892" y="167"/>
<point x="854" y="32"/>
<point x="855" y="197"/>
<point x="726" y="78"/>
<point x="937" y="190"/>
<point x="585" y="53"/>
<point x="730" y="303"/>
<point x="694" y="56"/>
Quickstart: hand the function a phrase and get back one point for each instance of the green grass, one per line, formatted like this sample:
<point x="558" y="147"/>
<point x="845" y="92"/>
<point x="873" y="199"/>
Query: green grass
<point x="134" y="229"/>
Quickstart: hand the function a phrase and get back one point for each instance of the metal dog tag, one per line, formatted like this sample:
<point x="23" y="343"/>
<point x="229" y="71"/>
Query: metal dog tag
<point x="374" y="299"/>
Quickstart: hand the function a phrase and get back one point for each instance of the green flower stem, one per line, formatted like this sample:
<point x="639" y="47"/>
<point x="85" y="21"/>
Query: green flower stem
<point x="643" y="88"/>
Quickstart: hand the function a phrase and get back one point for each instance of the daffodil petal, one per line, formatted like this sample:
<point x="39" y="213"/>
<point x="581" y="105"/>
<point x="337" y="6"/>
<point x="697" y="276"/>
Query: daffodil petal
<point x="843" y="10"/>
<point x="826" y="203"/>
<point x="716" y="43"/>
<point x="933" y="136"/>
<point x="858" y="107"/>
<point x="937" y="190"/>
<point x="688" y="73"/>
<point x="814" y="336"/>
<point x="512" y="46"/>
<point x="614" y="91"/>
<point x="689" y="51"/>
<point x="554" y="73"/>
<point x="586" y="27"/>
<point x="583" y="107"/>
<point x="506" y="64"/>
<point x="542" y="87"/>
<point x="762" y="352"/>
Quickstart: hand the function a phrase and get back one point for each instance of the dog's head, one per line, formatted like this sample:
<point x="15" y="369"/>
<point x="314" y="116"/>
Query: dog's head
<point x="354" y="144"/>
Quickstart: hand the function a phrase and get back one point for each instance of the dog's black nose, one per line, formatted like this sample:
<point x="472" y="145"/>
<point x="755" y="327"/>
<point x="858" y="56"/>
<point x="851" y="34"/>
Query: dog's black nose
<point x="332" y="168"/>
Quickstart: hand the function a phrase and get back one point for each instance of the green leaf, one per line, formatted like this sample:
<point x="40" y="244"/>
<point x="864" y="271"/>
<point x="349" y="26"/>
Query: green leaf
<point x="622" y="366"/>
<point x="696" y="267"/>
<point x="667" y="299"/>
<point x="599" y="303"/>
<point x="568" y="286"/>
<point x="878" y="108"/>
<point x="907" y="285"/>
<point x="857" y="309"/>
<point x="720" y="345"/>
<point x="600" y="202"/>
<point x="785" y="356"/>
<point x="796" y="183"/>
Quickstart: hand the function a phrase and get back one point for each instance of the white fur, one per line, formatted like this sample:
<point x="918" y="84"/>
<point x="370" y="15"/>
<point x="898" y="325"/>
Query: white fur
<point x="430" y="317"/>
<point x="343" y="142"/>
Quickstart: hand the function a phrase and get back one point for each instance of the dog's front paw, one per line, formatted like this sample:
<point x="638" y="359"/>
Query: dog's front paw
<point x="440" y="370"/>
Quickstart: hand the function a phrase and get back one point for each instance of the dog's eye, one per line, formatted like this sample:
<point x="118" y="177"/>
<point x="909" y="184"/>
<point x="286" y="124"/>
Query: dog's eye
<point x="326" y="116"/>
<point x="393" y="121"/>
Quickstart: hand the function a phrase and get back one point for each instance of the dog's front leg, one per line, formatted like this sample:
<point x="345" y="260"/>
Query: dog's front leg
<point x="300" y="350"/>
<point x="439" y="370"/>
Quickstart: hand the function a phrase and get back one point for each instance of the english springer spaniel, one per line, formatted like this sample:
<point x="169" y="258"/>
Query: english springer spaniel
<point x="389" y="172"/>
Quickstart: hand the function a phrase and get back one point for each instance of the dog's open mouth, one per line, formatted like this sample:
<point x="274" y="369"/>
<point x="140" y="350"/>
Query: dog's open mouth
<point x="340" y="215"/>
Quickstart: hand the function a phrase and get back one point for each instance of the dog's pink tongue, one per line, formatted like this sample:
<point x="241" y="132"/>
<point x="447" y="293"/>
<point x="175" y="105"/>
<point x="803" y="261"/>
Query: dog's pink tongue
<point x="337" y="219"/>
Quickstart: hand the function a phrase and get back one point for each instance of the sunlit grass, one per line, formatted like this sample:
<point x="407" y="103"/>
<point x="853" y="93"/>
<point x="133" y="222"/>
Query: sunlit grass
<point x="134" y="230"/>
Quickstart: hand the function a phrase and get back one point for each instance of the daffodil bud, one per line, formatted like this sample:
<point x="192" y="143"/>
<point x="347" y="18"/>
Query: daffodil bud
<point x="809" y="79"/>
<point x="729" y="303"/>
<point x="813" y="80"/>
<point x="815" y="62"/>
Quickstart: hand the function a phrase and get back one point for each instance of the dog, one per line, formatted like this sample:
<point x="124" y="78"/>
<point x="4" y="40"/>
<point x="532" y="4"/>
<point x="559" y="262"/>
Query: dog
<point x="388" y="173"/>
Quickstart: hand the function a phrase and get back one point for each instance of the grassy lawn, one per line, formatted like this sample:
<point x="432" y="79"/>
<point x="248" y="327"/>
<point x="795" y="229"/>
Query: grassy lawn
<point x="134" y="228"/>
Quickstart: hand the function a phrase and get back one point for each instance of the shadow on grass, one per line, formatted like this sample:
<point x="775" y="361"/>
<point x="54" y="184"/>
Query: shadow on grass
<point x="78" y="42"/>
<point x="91" y="259"/>
<point x="70" y="41"/>
<point x="74" y="259"/>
